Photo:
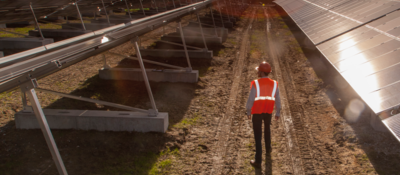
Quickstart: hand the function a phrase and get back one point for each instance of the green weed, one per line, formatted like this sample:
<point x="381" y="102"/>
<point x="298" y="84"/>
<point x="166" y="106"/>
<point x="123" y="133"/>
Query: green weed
<point x="221" y="52"/>
<point x="186" y="122"/>
<point x="364" y="157"/>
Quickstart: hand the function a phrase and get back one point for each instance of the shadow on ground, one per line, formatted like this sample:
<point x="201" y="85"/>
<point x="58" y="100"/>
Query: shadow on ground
<point x="94" y="152"/>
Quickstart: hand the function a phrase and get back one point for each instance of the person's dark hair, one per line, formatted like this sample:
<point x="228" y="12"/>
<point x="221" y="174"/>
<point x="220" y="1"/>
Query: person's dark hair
<point x="266" y="73"/>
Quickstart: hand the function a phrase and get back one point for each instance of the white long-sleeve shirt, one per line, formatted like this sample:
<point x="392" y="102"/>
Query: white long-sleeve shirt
<point x="252" y="96"/>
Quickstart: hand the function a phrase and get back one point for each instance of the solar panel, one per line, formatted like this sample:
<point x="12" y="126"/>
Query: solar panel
<point x="361" y="40"/>
<point x="393" y="123"/>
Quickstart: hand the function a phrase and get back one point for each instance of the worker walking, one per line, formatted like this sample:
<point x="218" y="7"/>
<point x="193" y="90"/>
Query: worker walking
<point x="264" y="95"/>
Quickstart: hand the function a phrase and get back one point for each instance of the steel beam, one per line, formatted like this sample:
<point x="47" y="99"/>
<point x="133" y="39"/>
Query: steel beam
<point x="80" y="15"/>
<point x="92" y="100"/>
<point x="201" y="30"/>
<point x="184" y="44"/>
<point x="129" y="11"/>
<point x="146" y="80"/>
<point x="36" y="22"/>
<point x="105" y="11"/>
<point x="29" y="89"/>
<point x="149" y="61"/>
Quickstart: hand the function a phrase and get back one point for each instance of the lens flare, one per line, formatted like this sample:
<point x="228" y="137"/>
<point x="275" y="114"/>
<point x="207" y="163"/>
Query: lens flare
<point x="353" y="110"/>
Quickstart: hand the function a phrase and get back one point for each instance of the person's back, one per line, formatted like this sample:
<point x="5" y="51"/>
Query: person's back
<point x="264" y="95"/>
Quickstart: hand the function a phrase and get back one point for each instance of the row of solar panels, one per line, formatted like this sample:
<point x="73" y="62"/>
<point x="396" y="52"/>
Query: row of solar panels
<point x="361" y="39"/>
<point x="14" y="11"/>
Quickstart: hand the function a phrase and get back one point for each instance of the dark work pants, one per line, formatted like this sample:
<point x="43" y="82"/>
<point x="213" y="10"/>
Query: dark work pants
<point x="257" y="125"/>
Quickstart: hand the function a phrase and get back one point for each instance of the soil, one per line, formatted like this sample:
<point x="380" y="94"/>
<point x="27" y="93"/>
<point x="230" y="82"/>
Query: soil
<point x="209" y="132"/>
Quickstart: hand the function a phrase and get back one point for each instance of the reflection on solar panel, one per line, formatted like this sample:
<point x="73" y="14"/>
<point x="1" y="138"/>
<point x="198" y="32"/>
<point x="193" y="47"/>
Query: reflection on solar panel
<point x="361" y="39"/>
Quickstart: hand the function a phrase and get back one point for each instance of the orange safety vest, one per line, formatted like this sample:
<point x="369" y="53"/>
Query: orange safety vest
<point x="265" y="97"/>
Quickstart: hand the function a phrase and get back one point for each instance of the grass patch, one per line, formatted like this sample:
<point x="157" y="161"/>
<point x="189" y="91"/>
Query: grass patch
<point x="162" y="166"/>
<point x="186" y="122"/>
<point x="319" y="81"/>
<point x="147" y="163"/>
<point x="202" y="70"/>
<point x="299" y="49"/>
<point x="364" y="158"/>
<point x="25" y="30"/>
<point x="250" y="146"/>
<point x="6" y="95"/>
<point x="221" y="52"/>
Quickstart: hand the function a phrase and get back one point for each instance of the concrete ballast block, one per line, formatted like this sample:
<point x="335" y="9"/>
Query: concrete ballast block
<point x="88" y="26"/>
<point x="95" y="120"/>
<point x="23" y="43"/>
<point x="58" y="33"/>
<point x="135" y="74"/>
<point x="196" y="41"/>
<point x="161" y="53"/>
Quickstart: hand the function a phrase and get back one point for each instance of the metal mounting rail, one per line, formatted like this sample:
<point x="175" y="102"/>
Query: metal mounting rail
<point x="36" y="63"/>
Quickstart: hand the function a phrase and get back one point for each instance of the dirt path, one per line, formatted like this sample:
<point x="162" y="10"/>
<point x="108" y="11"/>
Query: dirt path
<point x="286" y="119"/>
<point x="300" y="140"/>
<point x="224" y="124"/>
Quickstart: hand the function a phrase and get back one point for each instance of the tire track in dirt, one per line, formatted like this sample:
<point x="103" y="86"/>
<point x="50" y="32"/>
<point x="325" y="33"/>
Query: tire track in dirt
<point x="224" y="125"/>
<point x="286" y="116"/>
<point x="305" y="128"/>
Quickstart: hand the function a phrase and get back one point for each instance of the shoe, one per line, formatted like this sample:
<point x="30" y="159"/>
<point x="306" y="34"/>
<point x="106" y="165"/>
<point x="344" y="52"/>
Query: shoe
<point x="254" y="164"/>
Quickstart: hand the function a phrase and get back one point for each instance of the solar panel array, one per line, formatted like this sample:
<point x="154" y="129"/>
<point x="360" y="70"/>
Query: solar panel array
<point x="15" y="11"/>
<point x="361" y="39"/>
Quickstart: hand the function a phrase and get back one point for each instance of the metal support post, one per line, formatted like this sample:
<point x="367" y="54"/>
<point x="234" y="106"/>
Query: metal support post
<point x="142" y="7"/>
<point x="80" y="16"/>
<point x="155" y="3"/>
<point x="215" y="27"/>
<point x="233" y="11"/>
<point x="129" y="10"/>
<point x="23" y="97"/>
<point x="201" y="30"/>
<point x="165" y="5"/>
<point x="154" y="110"/>
<point x="184" y="44"/>
<point x="173" y="2"/>
<point x="220" y="15"/>
<point x="105" y="11"/>
<point x="36" y="21"/>
<point x="163" y="29"/>
<point x="105" y="66"/>
<point x="37" y="109"/>
<point x="227" y="11"/>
